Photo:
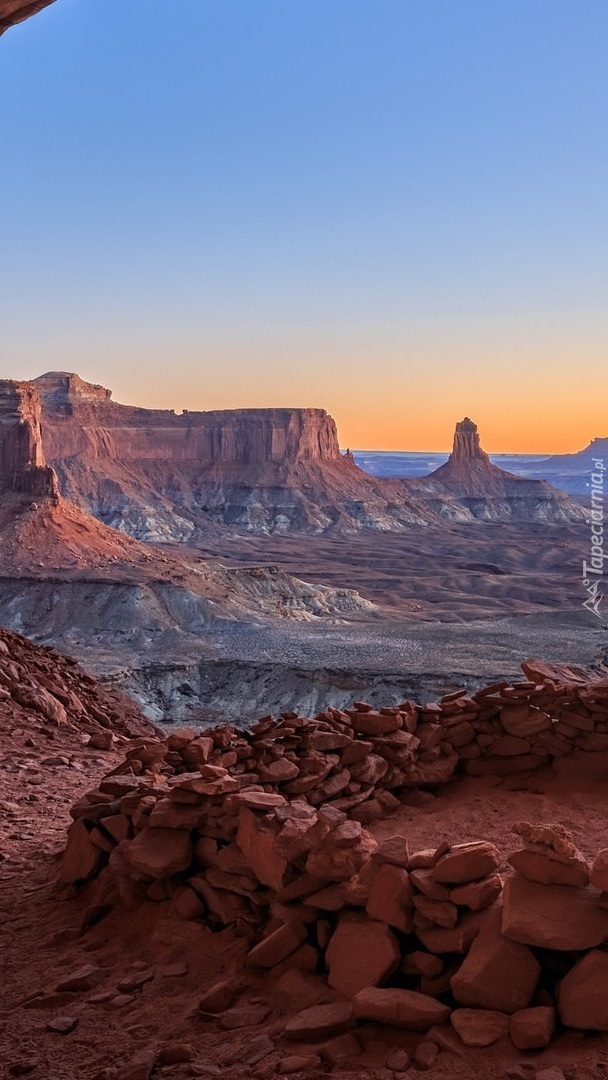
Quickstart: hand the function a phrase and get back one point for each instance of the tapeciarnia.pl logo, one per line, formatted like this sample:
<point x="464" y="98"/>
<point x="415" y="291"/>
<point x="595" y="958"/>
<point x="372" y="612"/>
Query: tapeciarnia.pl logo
<point x="593" y="570"/>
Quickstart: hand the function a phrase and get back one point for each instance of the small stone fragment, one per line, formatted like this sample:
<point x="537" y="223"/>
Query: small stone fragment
<point x="320" y="1021"/>
<point x="467" y="862"/>
<point x="398" y="1061"/>
<point x="399" y="1008"/>
<point x="339" y="1050"/>
<point x="243" y="1016"/>
<point x="62" y="1025"/>
<point x="425" y="1055"/>
<point x="532" y="1029"/>
<point x="84" y="978"/>
<point x="293" y="1063"/>
<point x="176" y="1053"/>
<point x="479" y="1027"/>
<point x="274" y="948"/>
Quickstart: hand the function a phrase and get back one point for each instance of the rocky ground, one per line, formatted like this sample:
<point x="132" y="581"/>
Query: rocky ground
<point x="125" y="990"/>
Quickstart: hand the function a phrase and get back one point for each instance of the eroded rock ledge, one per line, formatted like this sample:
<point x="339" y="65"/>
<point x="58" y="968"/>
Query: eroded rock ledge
<point x="16" y="11"/>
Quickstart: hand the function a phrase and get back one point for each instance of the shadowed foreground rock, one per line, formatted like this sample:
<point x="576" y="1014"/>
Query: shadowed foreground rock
<point x="264" y="832"/>
<point x="16" y="11"/>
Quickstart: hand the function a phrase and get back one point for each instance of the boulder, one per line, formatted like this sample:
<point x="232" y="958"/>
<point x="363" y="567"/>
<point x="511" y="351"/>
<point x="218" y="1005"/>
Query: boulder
<point x="399" y="1008"/>
<point x="547" y="871"/>
<point x="81" y="858"/>
<point x="393" y="849"/>
<point x="334" y="863"/>
<point x="477" y="895"/>
<point x="467" y="862"/>
<point x="360" y="953"/>
<point x="497" y="973"/>
<point x="532" y="1029"/>
<point x="524" y="720"/>
<point x="582" y="998"/>
<point x="374" y="723"/>
<point x="440" y="912"/>
<point x="421" y="963"/>
<point x="552" y="916"/>
<point x="255" y="837"/>
<point x="424" y="882"/>
<point x="320" y="1021"/>
<point x="157" y="853"/>
<point x="599" y="870"/>
<point x="479" y="1027"/>
<point x="455" y="939"/>
<point x="390" y="899"/>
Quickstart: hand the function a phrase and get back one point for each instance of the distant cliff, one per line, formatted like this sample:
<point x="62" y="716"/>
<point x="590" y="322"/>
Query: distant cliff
<point x="159" y="475"/>
<point x="164" y="476"/>
<point x="469" y="482"/>
<point x="22" y="464"/>
<point x="80" y="417"/>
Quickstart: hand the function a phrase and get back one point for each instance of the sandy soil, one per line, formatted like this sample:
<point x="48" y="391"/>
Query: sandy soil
<point x="453" y="573"/>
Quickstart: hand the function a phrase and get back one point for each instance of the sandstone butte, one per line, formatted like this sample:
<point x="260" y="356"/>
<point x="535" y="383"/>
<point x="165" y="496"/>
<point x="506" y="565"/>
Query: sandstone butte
<point x="158" y="474"/>
<point x="45" y="538"/>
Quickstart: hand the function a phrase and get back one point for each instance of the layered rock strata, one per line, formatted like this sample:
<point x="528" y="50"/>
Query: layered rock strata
<point x="490" y="493"/>
<point x="162" y="475"/>
<point x="22" y="464"/>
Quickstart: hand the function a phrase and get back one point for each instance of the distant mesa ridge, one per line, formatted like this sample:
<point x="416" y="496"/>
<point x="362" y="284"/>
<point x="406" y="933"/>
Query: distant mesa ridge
<point x="159" y="475"/>
<point x="237" y="436"/>
<point x="62" y="387"/>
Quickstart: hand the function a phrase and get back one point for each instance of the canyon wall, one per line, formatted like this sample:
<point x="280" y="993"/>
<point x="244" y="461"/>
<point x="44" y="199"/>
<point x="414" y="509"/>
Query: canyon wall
<point x="81" y="418"/>
<point x="22" y="464"/>
<point x="161" y="475"/>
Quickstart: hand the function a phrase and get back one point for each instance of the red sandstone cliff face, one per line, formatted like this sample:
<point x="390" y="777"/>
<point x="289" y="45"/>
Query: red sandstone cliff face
<point x="161" y="475"/>
<point x="81" y="418"/>
<point x="22" y="464"/>
<point x="158" y="475"/>
<point x="15" y="11"/>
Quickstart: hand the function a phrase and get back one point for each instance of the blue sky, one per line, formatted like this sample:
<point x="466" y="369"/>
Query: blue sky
<point x="392" y="209"/>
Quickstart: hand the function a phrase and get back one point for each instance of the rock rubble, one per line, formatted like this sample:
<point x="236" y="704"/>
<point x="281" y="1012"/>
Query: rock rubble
<point x="264" y="831"/>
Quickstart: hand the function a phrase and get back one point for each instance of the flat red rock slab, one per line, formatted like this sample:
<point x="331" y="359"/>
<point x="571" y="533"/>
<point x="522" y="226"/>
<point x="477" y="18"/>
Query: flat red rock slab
<point x="552" y="916"/>
<point x="399" y="1008"/>
<point x="320" y="1021"/>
